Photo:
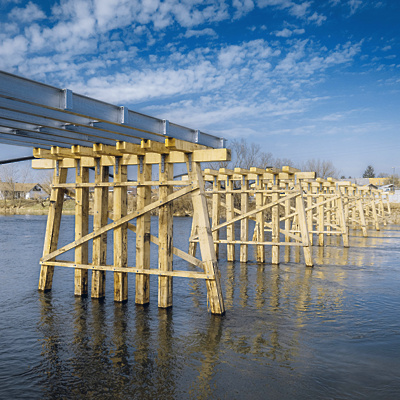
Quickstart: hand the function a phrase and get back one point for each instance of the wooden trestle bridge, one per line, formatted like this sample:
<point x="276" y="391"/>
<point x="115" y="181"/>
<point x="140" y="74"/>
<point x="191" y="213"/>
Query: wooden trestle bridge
<point x="254" y="207"/>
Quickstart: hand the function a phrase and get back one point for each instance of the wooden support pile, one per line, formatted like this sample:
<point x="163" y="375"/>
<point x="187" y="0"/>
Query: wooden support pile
<point x="288" y="207"/>
<point x="325" y="210"/>
<point x="275" y="196"/>
<point x="119" y="158"/>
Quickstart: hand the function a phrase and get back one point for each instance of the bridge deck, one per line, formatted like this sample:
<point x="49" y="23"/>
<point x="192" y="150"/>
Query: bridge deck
<point x="34" y="114"/>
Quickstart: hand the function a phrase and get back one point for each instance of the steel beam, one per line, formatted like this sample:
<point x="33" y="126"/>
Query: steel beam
<point x="37" y="109"/>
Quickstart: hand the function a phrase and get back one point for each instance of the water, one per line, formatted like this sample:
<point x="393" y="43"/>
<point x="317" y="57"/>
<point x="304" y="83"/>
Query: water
<point x="332" y="332"/>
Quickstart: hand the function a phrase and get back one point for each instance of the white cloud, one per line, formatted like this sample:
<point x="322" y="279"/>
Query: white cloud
<point x="299" y="10"/>
<point x="203" y="32"/>
<point x="318" y="19"/>
<point x="13" y="50"/>
<point x="31" y="12"/>
<point x="288" y="33"/>
<point x="284" y="33"/>
<point x="242" y="7"/>
<point x="354" y="5"/>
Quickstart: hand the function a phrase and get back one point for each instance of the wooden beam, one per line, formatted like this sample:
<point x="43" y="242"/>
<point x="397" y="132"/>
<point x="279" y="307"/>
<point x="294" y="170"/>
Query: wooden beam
<point x="154" y="147"/>
<point x="113" y="268"/>
<point x="129" y="148"/>
<point x="103" y="149"/>
<point x="182" y="145"/>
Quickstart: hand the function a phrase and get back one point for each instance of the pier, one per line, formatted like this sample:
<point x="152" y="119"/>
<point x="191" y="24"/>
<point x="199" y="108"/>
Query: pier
<point x="126" y="150"/>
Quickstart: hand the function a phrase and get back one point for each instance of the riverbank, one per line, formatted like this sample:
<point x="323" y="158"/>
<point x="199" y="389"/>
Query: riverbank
<point x="181" y="207"/>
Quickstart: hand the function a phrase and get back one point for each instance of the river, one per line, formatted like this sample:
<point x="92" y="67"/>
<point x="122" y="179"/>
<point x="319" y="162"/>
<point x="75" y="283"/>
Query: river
<point x="290" y="332"/>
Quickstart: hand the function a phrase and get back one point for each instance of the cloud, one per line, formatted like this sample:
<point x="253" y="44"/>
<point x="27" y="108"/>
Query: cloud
<point x="204" y="32"/>
<point x="354" y="5"/>
<point x="288" y="33"/>
<point x="31" y="12"/>
<point x="318" y="19"/>
<point x="242" y="7"/>
<point x="299" y="10"/>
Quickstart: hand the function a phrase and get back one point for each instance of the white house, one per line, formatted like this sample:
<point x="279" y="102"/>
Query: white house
<point x="16" y="190"/>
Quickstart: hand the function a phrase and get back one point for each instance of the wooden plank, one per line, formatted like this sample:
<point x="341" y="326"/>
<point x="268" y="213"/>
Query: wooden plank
<point x="81" y="229"/>
<point x="100" y="219"/>
<point x="112" y="268"/>
<point x="52" y="230"/>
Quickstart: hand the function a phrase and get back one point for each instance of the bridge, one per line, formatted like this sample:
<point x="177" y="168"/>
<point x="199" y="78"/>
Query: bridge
<point x="70" y="132"/>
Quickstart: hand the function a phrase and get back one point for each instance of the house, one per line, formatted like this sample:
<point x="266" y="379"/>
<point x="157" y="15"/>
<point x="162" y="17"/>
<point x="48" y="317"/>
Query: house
<point x="15" y="190"/>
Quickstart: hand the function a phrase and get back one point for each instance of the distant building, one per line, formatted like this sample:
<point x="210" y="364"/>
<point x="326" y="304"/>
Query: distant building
<point x="22" y="191"/>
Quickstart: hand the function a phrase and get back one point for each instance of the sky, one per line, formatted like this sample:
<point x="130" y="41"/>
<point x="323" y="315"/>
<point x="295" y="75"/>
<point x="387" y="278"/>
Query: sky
<point x="301" y="79"/>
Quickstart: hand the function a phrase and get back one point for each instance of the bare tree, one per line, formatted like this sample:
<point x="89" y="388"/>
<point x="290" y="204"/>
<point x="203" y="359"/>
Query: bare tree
<point x="280" y="162"/>
<point x="323" y="168"/>
<point x="246" y="155"/>
<point x="10" y="176"/>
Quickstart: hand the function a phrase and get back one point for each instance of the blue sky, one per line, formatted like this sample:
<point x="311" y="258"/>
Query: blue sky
<point x="303" y="79"/>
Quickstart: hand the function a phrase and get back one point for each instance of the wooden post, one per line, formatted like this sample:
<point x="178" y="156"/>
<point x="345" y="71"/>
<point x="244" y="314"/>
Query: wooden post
<point x="230" y="214"/>
<point x="374" y="213"/>
<point x="342" y="219"/>
<point x="193" y="232"/>
<point x="52" y="227"/>
<point x="214" y="291"/>
<point x="275" y="222"/>
<point x="143" y="232"/>
<point x="260" y="219"/>
<point x="81" y="228"/>
<point x="287" y="212"/>
<point x="302" y="221"/>
<point x="310" y="217"/>
<point x="244" y="223"/>
<point x="100" y="219"/>
<point x="216" y="211"/>
<point x="321" y="218"/>
<point x="165" y="226"/>
<point x="120" y="232"/>
<point x="360" y="209"/>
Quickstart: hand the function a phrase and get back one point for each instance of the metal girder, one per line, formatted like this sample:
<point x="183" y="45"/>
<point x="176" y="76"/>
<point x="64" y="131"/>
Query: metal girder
<point x="41" y="113"/>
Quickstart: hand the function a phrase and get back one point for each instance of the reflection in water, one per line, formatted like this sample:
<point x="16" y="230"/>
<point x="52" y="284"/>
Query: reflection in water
<point x="290" y="332"/>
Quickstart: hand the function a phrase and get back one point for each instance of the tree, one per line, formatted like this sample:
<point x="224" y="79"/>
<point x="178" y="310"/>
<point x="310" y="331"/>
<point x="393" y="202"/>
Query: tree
<point x="369" y="172"/>
<point x="323" y="168"/>
<point x="246" y="155"/>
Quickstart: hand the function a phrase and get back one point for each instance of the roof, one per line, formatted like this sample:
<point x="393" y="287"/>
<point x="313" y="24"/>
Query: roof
<point x="18" y="187"/>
